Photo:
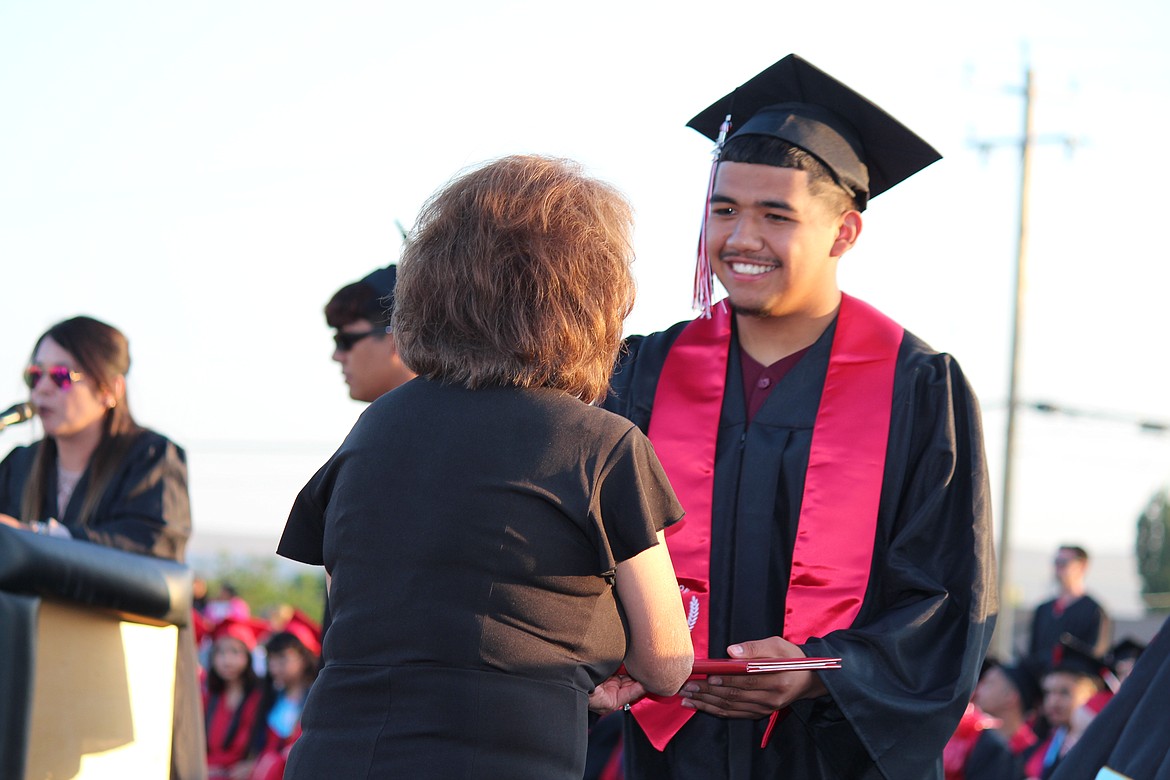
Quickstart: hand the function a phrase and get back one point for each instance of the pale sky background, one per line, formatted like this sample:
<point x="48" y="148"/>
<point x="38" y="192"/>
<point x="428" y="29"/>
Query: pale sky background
<point x="205" y="175"/>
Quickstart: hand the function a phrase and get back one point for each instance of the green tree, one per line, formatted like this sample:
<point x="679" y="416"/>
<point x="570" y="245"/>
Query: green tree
<point x="259" y="582"/>
<point x="1153" y="550"/>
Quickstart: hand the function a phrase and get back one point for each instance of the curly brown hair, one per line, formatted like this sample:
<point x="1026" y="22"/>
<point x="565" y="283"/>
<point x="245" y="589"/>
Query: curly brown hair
<point x="518" y="273"/>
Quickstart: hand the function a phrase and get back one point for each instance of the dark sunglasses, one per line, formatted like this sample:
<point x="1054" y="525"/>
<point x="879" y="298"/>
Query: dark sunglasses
<point x="346" y="341"/>
<point x="62" y="376"/>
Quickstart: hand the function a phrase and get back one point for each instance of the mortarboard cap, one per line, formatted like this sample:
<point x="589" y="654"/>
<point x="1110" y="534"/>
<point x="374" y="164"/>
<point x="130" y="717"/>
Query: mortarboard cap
<point x="382" y="280"/>
<point x="306" y="630"/>
<point x="1126" y="649"/>
<point x="1025" y="680"/>
<point x="247" y="630"/>
<point x="866" y="149"/>
<point x="1073" y="656"/>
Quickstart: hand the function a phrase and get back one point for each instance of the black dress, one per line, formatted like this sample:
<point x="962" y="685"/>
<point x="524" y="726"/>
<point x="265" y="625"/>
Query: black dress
<point x="471" y="536"/>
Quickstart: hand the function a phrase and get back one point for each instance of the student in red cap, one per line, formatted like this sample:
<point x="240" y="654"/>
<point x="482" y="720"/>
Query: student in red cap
<point x="231" y="698"/>
<point x="293" y="655"/>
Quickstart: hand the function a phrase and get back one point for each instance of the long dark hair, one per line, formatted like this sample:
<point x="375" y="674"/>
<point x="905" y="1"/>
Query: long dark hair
<point x="278" y="643"/>
<point x="216" y="686"/>
<point x="103" y="354"/>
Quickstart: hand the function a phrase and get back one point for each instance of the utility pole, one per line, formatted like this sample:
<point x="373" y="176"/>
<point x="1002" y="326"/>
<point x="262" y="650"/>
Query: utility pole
<point x="1003" y="642"/>
<point x="1004" y="636"/>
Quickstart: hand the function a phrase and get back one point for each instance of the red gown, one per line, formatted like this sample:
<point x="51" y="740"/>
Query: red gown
<point x="222" y="758"/>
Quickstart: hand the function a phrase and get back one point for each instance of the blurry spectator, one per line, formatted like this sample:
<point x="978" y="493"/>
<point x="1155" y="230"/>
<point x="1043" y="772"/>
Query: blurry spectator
<point x="293" y="660"/>
<point x="1010" y="694"/>
<point x="1131" y="736"/>
<point x="231" y="699"/>
<point x="1083" y="717"/>
<point x="1073" y="611"/>
<point x="199" y="594"/>
<point x="1123" y="656"/>
<point x="98" y="476"/>
<point x="365" y="347"/>
<point x="227" y="604"/>
<point x="1075" y="678"/>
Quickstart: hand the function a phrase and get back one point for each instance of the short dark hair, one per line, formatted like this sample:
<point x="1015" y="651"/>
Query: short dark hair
<point x="1078" y="552"/>
<point x="767" y="150"/>
<point x="517" y="273"/>
<point x="358" y="301"/>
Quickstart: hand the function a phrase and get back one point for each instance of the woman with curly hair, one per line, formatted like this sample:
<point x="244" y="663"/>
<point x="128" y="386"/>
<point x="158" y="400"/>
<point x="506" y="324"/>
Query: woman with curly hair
<point x="495" y="540"/>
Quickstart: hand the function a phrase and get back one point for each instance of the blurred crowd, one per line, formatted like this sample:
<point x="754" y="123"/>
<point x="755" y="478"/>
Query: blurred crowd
<point x="255" y="673"/>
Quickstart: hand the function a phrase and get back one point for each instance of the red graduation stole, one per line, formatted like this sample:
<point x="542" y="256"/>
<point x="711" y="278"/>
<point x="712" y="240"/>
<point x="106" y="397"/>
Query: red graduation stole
<point x="838" y="511"/>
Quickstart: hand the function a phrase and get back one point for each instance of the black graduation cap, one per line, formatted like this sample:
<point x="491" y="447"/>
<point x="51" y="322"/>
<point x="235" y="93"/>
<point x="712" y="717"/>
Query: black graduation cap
<point x="1075" y="657"/>
<point x="866" y="149"/>
<point x="1026" y="681"/>
<point x="382" y="280"/>
<point x="1126" y="649"/>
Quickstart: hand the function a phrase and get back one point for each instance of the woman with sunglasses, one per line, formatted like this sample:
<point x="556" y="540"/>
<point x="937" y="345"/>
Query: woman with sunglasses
<point x="96" y="474"/>
<point x="99" y="476"/>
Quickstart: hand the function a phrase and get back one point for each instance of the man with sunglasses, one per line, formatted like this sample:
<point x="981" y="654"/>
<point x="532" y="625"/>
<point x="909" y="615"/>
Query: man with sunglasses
<point x="365" y="347"/>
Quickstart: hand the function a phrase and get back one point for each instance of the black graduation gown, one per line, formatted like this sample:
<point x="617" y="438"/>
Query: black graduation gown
<point x="991" y="759"/>
<point x="1084" y="618"/>
<point x="1131" y="736"/>
<point x="912" y="655"/>
<point x="145" y="509"/>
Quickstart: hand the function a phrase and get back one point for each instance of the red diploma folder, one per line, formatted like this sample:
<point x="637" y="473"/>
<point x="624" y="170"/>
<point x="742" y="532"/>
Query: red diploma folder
<point x="705" y="666"/>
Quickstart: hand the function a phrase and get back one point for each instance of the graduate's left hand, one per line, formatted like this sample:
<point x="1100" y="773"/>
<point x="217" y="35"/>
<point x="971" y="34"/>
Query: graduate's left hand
<point x="753" y="695"/>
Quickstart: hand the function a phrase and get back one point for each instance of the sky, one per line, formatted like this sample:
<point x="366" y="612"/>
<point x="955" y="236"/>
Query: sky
<point x="205" y="175"/>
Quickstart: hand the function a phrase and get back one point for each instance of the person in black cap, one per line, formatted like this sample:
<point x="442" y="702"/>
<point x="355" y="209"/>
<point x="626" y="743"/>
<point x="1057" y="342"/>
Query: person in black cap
<point x="365" y="347"/>
<point x="1123" y="656"/>
<point x="1075" y="677"/>
<point x="831" y="465"/>
<point x="1131" y="736"/>
<point x="1010" y="693"/>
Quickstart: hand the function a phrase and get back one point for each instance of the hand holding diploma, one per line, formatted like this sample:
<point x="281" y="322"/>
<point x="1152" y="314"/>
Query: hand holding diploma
<point x="754" y="695"/>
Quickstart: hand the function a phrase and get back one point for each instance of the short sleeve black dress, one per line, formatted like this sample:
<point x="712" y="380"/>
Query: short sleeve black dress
<point x="471" y="536"/>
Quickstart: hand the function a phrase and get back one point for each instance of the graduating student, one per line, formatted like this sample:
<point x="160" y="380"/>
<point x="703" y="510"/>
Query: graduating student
<point x="830" y="463"/>
<point x="1073" y="611"/>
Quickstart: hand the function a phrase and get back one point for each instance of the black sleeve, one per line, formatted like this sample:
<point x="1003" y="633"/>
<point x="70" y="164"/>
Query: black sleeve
<point x="146" y="509"/>
<point x="991" y="759"/>
<point x="634" y="500"/>
<point x="304" y="532"/>
<point x="913" y="654"/>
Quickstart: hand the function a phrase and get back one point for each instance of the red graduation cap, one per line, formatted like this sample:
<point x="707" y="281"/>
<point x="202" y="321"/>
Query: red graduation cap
<point x="306" y="630"/>
<point x="247" y="630"/>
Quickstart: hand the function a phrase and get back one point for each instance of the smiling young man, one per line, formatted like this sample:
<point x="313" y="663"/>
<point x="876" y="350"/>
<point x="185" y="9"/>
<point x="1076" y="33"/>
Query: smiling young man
<point x="364" y="346"/>
<point x="831" y="465"/>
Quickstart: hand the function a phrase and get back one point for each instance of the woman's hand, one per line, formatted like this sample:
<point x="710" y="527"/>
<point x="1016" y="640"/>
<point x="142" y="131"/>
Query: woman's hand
<point x="615" y="693"/>
<point x="12" y="522"/>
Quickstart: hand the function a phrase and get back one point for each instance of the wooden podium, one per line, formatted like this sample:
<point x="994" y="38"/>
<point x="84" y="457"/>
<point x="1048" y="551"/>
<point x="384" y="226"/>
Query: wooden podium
<point x="90" y="638"/>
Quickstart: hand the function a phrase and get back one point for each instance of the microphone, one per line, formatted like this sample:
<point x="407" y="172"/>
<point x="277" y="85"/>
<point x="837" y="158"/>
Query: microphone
<point x="17" y="413"/>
